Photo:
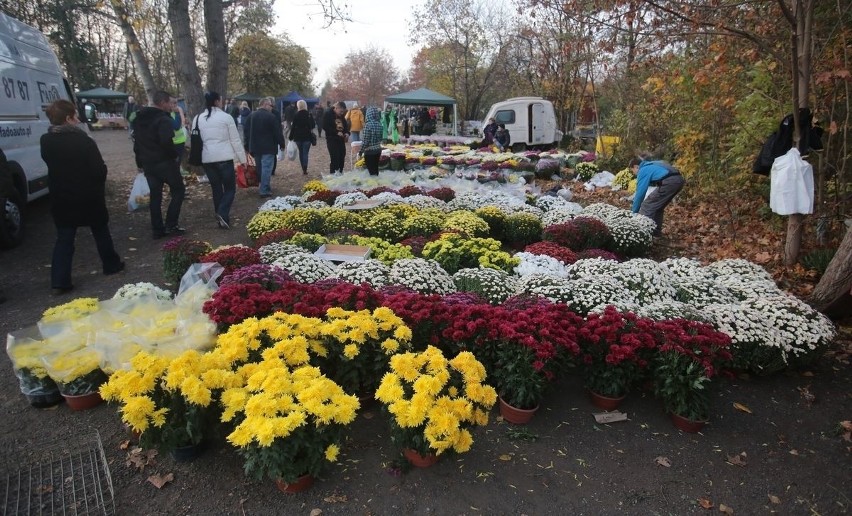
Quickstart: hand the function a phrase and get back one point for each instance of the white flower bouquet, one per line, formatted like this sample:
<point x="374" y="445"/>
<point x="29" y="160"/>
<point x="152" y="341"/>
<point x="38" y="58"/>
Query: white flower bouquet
<point x="540" y="264"/>
<point x="373" y="272"/>
<point x="142" y="289"/>
<point x="420" y="275"/>
<point x="306" y="268"/>
<point x="271" y="252"/>
<point x="648" y="281"/>
<point x="493" y="285"/>
<point x="349" y="198"/>
<point x="592" y="267"/>
<point x="277" y="204"/>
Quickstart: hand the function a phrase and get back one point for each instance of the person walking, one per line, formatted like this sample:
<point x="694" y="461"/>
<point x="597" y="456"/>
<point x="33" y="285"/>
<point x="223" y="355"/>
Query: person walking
<point x="336" y="136"/>
<point x="76" y="176"/>
<point x="371" y="145"/>
<point x="355" y="117"/>
<point x="666" y="178"/>
<point x="179" y="139"/>
<point x="289" y="115"/>
<point x="263" y="138"/>
<point x="156" y="156"/>
<point x="318" y="118"/>
<point x="302" y="133"/>
<point x="222" y="145"/>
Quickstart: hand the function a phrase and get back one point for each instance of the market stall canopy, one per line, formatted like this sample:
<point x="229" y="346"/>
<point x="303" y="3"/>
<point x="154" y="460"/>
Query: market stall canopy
<point x="250" y="97"/>
<point x="425" y="97"/>
<point x="102" y="93"/>
<point x="421" y="97"/>
<point x="293" y="96"/>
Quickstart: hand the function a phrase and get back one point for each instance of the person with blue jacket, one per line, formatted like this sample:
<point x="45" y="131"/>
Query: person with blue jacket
<point x="666" y="178"/>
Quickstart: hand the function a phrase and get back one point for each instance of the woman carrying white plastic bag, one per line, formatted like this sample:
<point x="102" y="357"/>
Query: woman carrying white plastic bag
<point x="292" y="150"/>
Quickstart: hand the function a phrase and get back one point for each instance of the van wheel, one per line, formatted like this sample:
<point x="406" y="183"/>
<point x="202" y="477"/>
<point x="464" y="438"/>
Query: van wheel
<point x="519" y="147"/>
<point x="11" y="222"/>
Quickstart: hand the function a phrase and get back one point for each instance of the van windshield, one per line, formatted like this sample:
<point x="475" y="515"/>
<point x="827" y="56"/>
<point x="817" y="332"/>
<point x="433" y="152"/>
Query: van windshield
<point x="506" y="116"/>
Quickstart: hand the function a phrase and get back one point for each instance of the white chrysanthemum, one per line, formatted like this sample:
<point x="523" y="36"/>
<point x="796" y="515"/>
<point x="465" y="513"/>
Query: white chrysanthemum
<point x="551" y="287"/>
<point x="648" y="281"/>
<point x="539" y="264"/>
<point x="700" y="291"/>
<point x="561" y="214"/>
<point x="686" y="268"/>
<point x="665" y="310"/>
<point x="277" y="204"/>
<point x="592" y="267"/>
<point x="272" y="251"/>
<point x="314" y="205"/>
<point x="551" y="202"/>
<point x="426" y="201"/>
<point x="747" y="287"/>
<point x="802" y="329"/>
<point x="306" y="268"/>
<point x="737" y="266"/>
<point x="526" y="208"/>
<point x="373" y="272"/>
<point x="142" y="289"/>
<point x="349" y="198"/>
<point x="592" y="293"/>
<point x="493" y="285"/>
<point x="388" y="198"/>
<point x="421" y="275"/>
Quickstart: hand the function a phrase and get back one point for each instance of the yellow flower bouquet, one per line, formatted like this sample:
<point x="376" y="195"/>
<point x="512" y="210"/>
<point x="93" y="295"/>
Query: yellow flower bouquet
<point x="431" y="402"/>
<point x="163" y="399"/>
<point x="358" y="346"/>
<point x="288" y="417"/>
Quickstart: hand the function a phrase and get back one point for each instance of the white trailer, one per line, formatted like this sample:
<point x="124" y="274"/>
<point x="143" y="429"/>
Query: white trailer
<point x="531" y="121"/>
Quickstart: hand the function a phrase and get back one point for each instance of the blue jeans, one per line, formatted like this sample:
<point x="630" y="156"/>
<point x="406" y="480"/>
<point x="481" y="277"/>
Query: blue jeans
<point x="267" y="162"/>
<point x="63" y="253"/>
<point x="304" y="150"/>
<point x="223" y="182"/>
<point x="354" y="136"/>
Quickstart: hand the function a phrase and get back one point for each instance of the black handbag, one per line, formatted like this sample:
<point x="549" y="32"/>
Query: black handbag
<point x="313" y="139"/>
<point x="196" y="145"/>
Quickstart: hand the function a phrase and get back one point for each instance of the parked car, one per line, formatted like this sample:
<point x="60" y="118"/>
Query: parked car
<point x="531" y="122"/>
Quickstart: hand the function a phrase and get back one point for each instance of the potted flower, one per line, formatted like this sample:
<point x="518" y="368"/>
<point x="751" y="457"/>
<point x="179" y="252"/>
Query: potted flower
<point x="163" y="401"/>
<point x="231" y="258"/>
<point x="178" y="254"/>
<point x="25" y="353"/>
<point x="688" y="358"/>
<point x="397" y="161"/>
<point x="358" y="345"/>
<point x="521" y="380"/>
<point x="612" y="349"/>
<point x="432" y="402"/>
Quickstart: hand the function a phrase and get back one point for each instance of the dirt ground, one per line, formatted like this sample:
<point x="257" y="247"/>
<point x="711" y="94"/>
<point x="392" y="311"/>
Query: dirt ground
<point x="786" y="456"/>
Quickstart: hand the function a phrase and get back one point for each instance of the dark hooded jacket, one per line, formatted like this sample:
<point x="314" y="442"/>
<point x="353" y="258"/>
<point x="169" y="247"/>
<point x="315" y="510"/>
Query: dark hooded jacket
<point x="153" y="137"/>
<point x="371" y="136"/>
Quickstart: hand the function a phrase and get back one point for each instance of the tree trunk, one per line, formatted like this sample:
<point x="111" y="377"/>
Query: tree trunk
<point x="139" y="60"/>
<point x="217" y="71"/>
<point x="833" y="293"/>
<point x="187" y="68"/>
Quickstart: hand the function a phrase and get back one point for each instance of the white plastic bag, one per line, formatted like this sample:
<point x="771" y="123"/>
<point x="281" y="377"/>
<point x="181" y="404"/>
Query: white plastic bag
<point x="792" y="185"/>
<point x="292" y="149"/>
<point x="140" y="194"/>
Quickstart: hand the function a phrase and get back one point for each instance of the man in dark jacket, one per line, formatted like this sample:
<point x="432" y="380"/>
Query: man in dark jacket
<point x="156" y="156"/>
<point x="336" y="135"/>
<point x="263" y="138"/>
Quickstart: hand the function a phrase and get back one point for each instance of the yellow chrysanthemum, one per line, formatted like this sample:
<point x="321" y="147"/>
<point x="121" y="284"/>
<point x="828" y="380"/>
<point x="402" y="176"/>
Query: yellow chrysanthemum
<point x="331" y="452"/>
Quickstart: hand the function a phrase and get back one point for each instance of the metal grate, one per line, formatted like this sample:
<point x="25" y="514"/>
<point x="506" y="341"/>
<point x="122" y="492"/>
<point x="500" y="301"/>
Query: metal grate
<point x="68" y="478"/>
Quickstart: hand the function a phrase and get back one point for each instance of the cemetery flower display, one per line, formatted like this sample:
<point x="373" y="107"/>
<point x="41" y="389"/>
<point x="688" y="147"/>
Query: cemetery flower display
<point x="421" y="275"/>
<point x="305" y="268"/>
<point x="492" y="285"/>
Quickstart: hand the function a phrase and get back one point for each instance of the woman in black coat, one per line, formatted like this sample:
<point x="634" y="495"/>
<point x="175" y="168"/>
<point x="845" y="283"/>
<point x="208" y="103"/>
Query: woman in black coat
<point x="302" y="133"/>
<point x="76" y="175"/>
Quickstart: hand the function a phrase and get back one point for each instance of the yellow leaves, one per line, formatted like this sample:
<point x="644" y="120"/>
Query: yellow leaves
<point x="742" y="408"/>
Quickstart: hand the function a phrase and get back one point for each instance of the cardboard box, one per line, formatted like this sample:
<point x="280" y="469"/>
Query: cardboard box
<point x="365" y="204"/>
<point x="343" y="253"/>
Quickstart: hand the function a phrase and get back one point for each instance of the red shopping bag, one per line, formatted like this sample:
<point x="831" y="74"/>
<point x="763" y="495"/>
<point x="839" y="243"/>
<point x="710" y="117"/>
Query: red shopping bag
<point x="247" y="174"/>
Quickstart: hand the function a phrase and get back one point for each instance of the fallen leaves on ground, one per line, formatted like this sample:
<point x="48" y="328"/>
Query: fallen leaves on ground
<point x="663" y="461"/>
<point x="737" y="460"/>
<point x="742" y="408"/>
<point x="724" y="508"/>
<point x="807" y="395"/>
<point x="160" y="480"/>
<point x="705" y="503"/>
<point x="774" y="499"/>
<point x="139" y="458"/>
<point x="336" y="498"/>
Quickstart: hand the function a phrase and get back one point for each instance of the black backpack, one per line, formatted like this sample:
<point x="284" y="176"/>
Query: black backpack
<point x="196" y="145"/>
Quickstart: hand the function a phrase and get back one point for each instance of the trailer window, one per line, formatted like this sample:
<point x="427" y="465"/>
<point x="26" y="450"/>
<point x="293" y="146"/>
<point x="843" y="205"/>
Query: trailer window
<point x="505" y="117"/>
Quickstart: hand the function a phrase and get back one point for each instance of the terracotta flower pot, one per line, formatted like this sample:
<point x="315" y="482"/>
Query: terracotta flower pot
<point x="419" y="461"/>
<point x="302" y="483"/>
<point x="514" y="415"/>
<point x="687" y="425"/>
<point x="83" y="401"/>
<point x="605" y="402"/>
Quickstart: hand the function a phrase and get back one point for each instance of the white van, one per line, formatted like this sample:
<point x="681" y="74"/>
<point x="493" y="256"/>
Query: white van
<point x="531" y="121"/>
<point x="30" y="79"/>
